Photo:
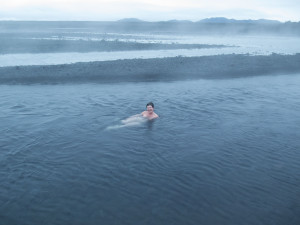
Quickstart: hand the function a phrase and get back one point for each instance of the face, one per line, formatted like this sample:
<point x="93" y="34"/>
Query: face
<point x="150" y="109"/>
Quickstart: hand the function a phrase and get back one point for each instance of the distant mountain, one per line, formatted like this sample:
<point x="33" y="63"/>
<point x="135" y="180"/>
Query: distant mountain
<point x="179" y="21"/>
<point x="207" y="20"/>
<point x="209" y="26"/>
<point x="214" y="20"/>
<point x="225" y="20"/>
<point x="130" y="20"/>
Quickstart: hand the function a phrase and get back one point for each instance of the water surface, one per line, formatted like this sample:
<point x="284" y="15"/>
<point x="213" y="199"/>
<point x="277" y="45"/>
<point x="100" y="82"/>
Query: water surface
<point x="235" y="44"/>
<point x="222" y="152"/>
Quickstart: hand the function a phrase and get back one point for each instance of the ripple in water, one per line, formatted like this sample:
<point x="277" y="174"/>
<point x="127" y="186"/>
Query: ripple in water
<point x="222" y="152"/>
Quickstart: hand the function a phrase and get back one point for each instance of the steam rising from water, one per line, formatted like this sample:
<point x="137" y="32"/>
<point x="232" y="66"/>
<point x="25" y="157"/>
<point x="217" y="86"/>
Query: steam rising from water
<point x="70" y="48"/>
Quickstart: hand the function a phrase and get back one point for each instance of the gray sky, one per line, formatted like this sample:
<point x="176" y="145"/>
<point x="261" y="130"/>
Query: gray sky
<point x="150" y="10"/>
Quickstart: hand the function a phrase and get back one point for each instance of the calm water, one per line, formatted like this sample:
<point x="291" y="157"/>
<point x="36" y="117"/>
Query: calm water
<point x="222" y="152"/>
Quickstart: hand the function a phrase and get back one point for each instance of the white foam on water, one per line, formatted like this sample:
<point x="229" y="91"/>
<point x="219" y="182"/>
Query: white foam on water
<point x="135" y="120"/>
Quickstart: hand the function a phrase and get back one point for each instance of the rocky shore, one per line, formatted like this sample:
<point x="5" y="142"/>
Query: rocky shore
<point x="150" y="70"/>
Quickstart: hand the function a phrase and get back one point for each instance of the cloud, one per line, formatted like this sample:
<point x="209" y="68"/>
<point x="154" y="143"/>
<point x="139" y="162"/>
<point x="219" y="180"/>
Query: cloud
<point x="152" y="10"/>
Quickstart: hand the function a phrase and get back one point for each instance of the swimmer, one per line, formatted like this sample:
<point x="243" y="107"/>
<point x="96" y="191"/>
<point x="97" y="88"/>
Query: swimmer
<point x="138" y="119"/>
<point x="149" y="113"/>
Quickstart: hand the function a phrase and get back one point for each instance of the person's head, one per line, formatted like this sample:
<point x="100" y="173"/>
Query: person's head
<point x="150" y="107"/>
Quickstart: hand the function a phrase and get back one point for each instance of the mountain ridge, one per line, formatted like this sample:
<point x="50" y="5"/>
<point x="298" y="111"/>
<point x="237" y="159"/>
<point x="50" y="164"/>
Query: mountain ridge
<point x="207" y="20"/>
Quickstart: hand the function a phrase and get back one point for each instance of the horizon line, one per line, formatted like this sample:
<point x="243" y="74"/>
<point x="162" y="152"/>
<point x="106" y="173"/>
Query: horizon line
<point x="140" y="20"/>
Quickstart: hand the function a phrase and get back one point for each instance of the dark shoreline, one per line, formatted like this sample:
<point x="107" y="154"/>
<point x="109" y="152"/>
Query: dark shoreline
<point x="151" y="70"/>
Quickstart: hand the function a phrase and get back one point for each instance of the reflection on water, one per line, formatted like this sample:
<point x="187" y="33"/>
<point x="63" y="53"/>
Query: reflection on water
<point x="222" y="152"/>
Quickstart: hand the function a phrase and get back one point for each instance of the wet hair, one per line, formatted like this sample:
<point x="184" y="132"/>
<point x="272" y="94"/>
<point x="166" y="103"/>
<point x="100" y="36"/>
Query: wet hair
<point x="150" y="103"/>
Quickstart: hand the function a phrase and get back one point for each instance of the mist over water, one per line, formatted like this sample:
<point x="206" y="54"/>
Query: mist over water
<point x="224" y="150"/>
<point x="42" y="44"/>
<point x="199" y="46"/>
